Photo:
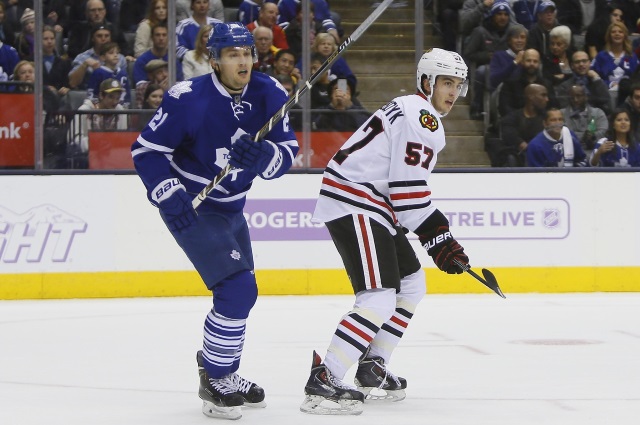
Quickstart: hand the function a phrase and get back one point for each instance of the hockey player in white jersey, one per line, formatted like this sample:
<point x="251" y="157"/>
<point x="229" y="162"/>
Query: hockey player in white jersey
<point x="373" y="190"/>
<point x="201" y="125"/>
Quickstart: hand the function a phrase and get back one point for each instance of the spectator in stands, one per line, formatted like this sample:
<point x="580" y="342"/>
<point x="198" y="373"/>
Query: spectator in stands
<point x="293" y="32"/>
<point x="631" y="11"/>
<point x="556" y="65"/>
<point x="196" y="62"/>
<point x="55" y="14"/>
<point x="157" y="73"/>
<point x="632" y="106"/>
<point x="556" y="146"/>
<point x="320" y="90"/>
<point x="156" y="14"/>
<point x="342" y="114"/>
<point x="263" y="38"/>
<point x="618" y="148"/>
<point x="8" y="60"/>
<point x="512" y="95"/>
<point x="597" y="90"/>
<point x="267" y="18"/>
<point x="579" y="14"/>
<point x="89" y="60"/>
<point x="7" y="29"/>
<point x="539" y="32"/>
<point x="132" y="12"/>
<point x="25" y="72"/>
<point x="158" y="50"/>
<point x="108" y="99"/>
<point x="80" y="34"/>
<point x="151" y="101"/>
<point x="284" y="64"/>
<point x="109" y="69"/>
<point x="25" y="40"/>
<point x="248" y="11"/>
<point x="587" y="122"/>
<point x="295" y="113"/>
<point x="321" y="12"/>
<point x="448" y="23"/>
<point x="326" y="45"/>
<point x="474" y="12"/>
<point x="55" y="72"/>
<point x="617" y="63"/>
<point x="525" y="12"/>
<point x="187" y="30"/>
<point x="216" y="9"/>
<point x="504" y="63"/>
<point x="522" y="125"/>
<point x="594" y="37"/>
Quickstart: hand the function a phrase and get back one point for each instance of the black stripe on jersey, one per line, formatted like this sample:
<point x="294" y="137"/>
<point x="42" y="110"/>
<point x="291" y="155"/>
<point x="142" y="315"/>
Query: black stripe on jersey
<point x="412" y="207"/>
<point x="391" y="330"/>
<point x="364" y="322"/>
<point x="360" y="205"/>
<point x="404" y="312"/>
<point x="408" y="183"/>
<point x="350" y="340"/>
<point x="369" y="186"/>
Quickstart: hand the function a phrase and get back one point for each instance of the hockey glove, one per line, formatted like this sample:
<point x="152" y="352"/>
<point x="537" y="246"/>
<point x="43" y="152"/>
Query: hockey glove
<point x="175" y="205"/>
<point x="261" y="157"/>
<point x="436" y="238"/>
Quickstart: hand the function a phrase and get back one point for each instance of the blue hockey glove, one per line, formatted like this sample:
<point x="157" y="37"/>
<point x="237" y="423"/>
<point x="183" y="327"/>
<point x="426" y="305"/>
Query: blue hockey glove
<point x="261" y="157"/>
<point x="175" y="205"/>
<point x="436" y="238"/>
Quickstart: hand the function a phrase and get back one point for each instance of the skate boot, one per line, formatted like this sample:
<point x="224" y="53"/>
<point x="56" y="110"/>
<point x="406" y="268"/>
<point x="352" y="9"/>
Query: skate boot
<point x="377" y="382"/>
<point x="252" y="394"/>
<point x="327" y="395"/>
<point x="220" y="398"/>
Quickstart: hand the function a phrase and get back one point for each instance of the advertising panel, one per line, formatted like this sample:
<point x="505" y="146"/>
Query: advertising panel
<point x="16" y="130"/>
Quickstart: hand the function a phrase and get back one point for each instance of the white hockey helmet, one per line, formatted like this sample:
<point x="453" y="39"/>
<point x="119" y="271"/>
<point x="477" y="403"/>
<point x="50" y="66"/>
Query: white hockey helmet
<point x="435" y="62"/>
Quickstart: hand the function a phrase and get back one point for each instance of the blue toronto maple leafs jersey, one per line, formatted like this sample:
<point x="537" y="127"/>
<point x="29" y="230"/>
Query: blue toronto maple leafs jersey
<point x="192" y="131"/>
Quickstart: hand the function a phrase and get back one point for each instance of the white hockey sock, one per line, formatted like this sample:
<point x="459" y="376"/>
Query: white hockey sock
<point x="222" y="346"/>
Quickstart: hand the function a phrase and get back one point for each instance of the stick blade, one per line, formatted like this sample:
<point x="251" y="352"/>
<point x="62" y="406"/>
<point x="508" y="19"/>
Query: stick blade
<point x="492" y="283"/>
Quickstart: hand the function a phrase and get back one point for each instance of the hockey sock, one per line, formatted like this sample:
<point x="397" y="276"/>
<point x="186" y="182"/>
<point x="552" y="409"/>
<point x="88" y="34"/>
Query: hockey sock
<point x="358" y="328"/>
<point x="223" y="338"/>
<point x="412" y="290"/>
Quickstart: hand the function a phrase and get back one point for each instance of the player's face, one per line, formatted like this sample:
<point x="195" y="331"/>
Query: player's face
<point x="235" y="66"/>
<point x="446" y="92"/>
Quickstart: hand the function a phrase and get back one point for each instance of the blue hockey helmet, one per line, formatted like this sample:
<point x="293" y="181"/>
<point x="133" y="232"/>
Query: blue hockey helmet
<point x="230" y="34"/>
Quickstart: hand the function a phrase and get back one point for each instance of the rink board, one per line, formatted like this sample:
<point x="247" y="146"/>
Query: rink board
<point x="98" y="236"/>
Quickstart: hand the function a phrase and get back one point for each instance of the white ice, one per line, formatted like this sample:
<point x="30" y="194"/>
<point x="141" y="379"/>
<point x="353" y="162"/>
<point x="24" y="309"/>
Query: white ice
<point x="567" y="359"/>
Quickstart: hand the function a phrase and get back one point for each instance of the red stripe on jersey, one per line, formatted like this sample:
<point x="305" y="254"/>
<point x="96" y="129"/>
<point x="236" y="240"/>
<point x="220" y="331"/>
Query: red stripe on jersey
<point x="360" y="193"/>
<point x="356" y="331"/>
<point x="367" y="251"/>
<point x="409" y="195"/>
<point x="397" y="321"/>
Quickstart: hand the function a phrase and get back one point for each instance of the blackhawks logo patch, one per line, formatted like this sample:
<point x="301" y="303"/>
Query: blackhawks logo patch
<point x="428" y="121"/>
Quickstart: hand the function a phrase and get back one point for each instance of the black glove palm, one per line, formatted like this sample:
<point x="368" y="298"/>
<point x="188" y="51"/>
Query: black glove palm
<point x="436" y="238"/>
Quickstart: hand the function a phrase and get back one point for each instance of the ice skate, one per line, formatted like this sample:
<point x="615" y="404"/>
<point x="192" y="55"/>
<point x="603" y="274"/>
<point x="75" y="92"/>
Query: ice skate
<point x="327" y="395"/>
<point x="377" y="382"/>
<point x="252" y="394"/>
<point x="220" y="398"/>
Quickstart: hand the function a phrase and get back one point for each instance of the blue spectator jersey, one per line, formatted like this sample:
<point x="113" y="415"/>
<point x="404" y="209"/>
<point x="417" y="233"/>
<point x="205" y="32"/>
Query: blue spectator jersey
<point x="620" y="156"/>
<point x="139" y="74"/>
<point x="79" y="60"/>
<point x="525" y="12"/>
<point x="612" y="70"/>
<point x="187" y="32"/>
<point x="193" y="129"/>
<point x="544" y="151"/>
<point x="248" y="11"/>
<point x="9" y="58"/>
<point x="321" y="13"/>
<point x="104" y="73"/>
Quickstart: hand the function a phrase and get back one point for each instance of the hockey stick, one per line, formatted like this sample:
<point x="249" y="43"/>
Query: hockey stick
<point x="296" y="96"/>
<point x="490" y="281"/>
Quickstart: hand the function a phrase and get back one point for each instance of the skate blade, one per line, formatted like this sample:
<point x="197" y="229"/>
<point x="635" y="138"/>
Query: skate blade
<point x="317" y="405"/>
<point x="213" y="411"/>
<point x="258" y="405"/>
<point x="380" y="395"/>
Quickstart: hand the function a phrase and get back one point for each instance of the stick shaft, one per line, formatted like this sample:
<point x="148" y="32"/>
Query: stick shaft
<point x="296" y="96"/>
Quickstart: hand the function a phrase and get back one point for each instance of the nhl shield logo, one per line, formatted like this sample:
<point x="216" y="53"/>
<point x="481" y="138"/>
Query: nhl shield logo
<point x="428" y="120"/>
<point x="551" y="218"/>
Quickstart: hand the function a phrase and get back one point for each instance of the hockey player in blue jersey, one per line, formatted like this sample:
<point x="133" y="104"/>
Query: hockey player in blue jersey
<point x="201" y="125"/>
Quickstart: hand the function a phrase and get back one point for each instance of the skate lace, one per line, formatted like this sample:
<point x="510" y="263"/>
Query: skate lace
<point x="387" y="374"/>
<point x="338" y="383"/>
<point x="224" y="385"/>
<point x="241" y="384"/>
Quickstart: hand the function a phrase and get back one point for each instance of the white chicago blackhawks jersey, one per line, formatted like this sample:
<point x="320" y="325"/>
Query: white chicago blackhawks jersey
<point x="382" y="170"/>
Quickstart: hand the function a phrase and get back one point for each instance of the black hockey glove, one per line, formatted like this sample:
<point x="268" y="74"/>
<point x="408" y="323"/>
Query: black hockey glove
<point x="175" y="205"/>
<point x="261" y="157"/>
<point x="436" y="238"/>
